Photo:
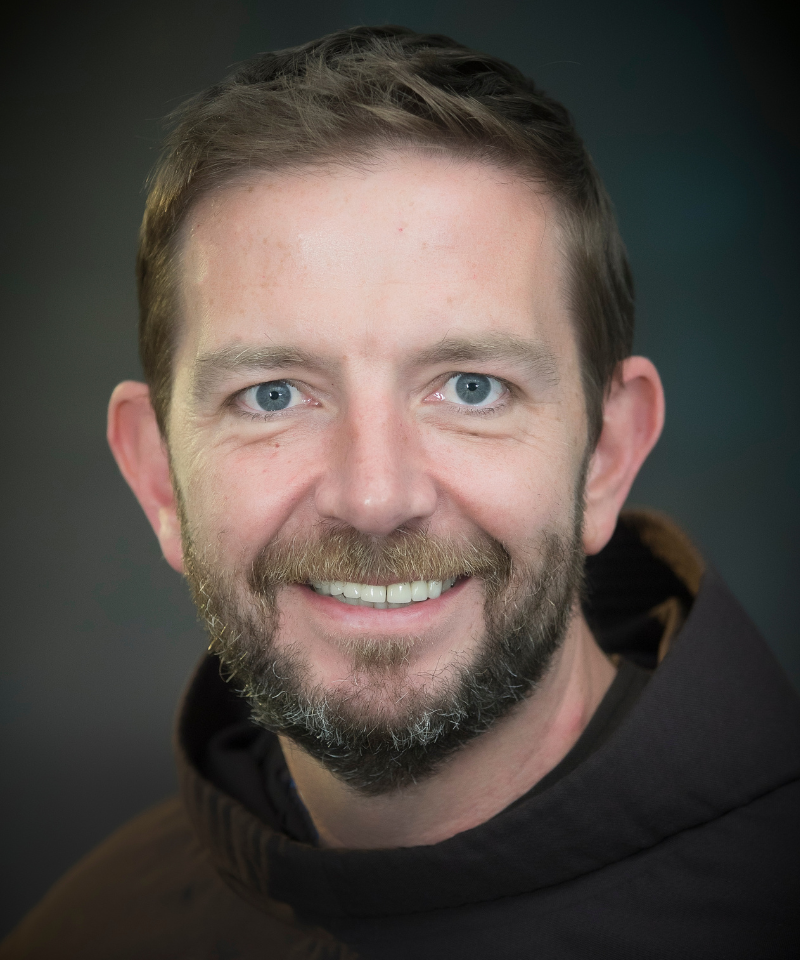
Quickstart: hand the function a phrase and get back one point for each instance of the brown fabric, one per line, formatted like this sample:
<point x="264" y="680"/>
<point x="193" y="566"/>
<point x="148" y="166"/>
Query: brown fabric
<point x="669" y="543"/>
<point x="149" y="893"/>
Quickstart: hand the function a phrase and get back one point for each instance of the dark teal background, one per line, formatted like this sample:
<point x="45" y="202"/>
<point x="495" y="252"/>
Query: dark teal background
<point x="690" y="112"/>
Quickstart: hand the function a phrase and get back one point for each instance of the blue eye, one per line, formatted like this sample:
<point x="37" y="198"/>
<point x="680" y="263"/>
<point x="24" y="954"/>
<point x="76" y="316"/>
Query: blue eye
<point x="276" y="395"/>
<point x="272" y="397"/>
<point x="472" y="389"/>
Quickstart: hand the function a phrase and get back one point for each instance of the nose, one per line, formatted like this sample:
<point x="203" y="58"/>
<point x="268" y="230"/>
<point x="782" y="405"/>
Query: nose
<point x="377" y="479"/>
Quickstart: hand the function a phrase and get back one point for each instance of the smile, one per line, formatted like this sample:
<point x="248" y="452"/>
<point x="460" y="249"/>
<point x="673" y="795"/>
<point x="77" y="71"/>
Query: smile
<point x="383" y="598"/>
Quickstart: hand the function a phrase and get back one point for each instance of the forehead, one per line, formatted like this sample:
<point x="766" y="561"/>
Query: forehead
<point x="429" y="245"/>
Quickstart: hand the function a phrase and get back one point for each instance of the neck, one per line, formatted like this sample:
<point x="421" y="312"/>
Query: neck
<point x="482" y="778"/>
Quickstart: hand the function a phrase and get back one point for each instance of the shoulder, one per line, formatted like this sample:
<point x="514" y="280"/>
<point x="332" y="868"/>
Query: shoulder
<point x="149" y="891"/>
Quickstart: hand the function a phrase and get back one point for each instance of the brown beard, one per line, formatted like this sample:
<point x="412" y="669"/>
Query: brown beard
<point x="379" y="732"/>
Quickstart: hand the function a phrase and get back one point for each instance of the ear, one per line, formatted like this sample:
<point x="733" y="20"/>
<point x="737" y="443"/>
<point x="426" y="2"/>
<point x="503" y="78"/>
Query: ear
<point x="633" y="416"/>
<point x="141" y="455"/>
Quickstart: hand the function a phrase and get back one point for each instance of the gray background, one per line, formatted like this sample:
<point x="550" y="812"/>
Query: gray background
<point x="689" y="110"/>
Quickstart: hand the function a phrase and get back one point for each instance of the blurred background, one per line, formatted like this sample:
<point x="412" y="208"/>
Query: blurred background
<point x="690" y="111"/>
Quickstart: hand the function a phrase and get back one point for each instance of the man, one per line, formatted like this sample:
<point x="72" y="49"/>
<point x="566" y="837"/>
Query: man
<point x="390" y="411"/>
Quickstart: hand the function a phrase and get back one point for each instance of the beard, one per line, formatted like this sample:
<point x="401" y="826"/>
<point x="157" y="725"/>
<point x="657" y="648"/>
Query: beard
<point x="387" y="726"/>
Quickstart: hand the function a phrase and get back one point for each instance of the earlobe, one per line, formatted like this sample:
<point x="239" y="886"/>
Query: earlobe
<point x="142" y="457"/>
<point x="633" y="417"/>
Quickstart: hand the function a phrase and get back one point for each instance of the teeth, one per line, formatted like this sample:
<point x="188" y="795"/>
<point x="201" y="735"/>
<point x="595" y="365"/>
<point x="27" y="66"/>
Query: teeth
<point x="383" y="598"/>
<point x="419" y="590"/>
<point x="399" y="593"/>
<point x="373" y="594"/>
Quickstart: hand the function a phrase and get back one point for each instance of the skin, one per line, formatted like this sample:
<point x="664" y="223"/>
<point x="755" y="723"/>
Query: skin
<point x="364" y="275"/>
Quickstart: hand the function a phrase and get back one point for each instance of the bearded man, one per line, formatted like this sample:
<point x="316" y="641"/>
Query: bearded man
<point x="390" y="411"/>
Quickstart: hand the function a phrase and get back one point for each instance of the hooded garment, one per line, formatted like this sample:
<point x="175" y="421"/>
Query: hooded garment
<point x="670" y="830"/>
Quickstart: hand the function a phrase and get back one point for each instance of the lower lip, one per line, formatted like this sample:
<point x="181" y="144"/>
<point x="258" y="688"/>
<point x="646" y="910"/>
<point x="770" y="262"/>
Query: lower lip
<point x="410" y="617"/>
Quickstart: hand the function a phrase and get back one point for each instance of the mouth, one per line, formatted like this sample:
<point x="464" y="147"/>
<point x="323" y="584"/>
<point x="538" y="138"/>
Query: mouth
<point x="390" y="597"/>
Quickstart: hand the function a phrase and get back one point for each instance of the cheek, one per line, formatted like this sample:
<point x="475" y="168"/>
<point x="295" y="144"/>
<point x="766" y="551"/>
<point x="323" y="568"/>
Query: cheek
<point x="244" y="494"/>
<point x="513" y="489"/>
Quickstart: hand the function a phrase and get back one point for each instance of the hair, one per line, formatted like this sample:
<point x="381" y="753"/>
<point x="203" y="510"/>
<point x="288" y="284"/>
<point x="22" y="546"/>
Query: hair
<point x="350" y="96"/>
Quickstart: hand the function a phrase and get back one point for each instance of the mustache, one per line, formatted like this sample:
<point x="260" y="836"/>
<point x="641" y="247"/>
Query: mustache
<point x="402" y="556"/>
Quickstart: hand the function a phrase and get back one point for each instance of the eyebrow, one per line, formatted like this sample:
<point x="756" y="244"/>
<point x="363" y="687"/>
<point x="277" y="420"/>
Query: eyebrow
<point x="211" y="368"/>
<point x="536" y="357"/>
<point x="533" y="355"/>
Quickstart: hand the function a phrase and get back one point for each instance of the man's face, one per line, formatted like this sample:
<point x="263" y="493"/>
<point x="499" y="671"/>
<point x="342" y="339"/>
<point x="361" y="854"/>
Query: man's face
<point x="367" y="359"/>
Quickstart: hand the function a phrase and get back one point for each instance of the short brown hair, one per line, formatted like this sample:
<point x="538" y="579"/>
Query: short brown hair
<point x="349" y="96"/>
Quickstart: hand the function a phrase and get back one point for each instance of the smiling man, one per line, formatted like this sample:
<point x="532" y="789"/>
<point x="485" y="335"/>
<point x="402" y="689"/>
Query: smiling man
<point x="390" y="411"/>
